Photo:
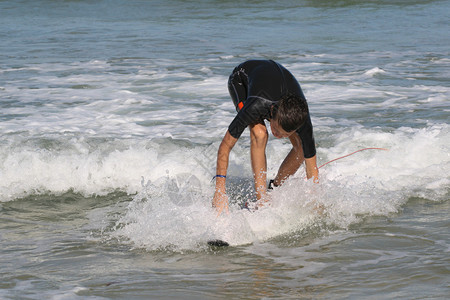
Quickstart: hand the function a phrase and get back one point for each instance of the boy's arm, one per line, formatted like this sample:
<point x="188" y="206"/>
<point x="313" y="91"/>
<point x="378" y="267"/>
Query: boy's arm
<point x="311" y="168"/>
<point x="294" y="160"/>
<point x="220" y="200"/>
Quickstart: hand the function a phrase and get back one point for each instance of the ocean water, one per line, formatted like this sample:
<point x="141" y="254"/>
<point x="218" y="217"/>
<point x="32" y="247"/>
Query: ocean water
<point x="111" y="113"/>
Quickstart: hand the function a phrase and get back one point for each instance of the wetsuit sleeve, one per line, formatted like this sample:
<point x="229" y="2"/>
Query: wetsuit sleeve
<point x="305" y="133"/>
<point x="254" y="111"/>
<point x="237" y="126"/>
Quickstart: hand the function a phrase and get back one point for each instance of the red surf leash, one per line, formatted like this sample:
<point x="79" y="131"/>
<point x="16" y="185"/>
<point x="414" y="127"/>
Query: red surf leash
<point x="384" y="149"/>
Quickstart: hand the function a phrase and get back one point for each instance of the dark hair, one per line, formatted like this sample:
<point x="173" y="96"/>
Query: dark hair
<point x="290" y="112"/>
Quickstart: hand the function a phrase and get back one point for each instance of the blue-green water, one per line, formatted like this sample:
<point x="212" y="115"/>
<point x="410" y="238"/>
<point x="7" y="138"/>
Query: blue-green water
<point x="111" y="113"/>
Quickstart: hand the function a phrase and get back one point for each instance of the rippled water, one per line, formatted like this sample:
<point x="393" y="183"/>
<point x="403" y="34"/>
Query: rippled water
<point x="112" y="113"/>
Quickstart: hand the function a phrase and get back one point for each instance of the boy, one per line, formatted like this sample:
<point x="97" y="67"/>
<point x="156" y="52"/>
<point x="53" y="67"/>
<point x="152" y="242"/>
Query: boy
<point x="265" y="90"/>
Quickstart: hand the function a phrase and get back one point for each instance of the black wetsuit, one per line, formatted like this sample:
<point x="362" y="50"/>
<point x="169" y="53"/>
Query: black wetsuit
<point x="257" y="84"/>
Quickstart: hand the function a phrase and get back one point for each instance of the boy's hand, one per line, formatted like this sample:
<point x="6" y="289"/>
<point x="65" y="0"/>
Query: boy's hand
<point x="220" y="202"/>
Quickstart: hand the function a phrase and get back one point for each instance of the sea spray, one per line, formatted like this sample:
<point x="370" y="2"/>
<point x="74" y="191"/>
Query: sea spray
<point x="175" y="211"/>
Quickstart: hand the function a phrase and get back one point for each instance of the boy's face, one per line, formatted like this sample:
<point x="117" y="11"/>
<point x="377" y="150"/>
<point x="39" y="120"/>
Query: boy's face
<point x="278" y="131"/>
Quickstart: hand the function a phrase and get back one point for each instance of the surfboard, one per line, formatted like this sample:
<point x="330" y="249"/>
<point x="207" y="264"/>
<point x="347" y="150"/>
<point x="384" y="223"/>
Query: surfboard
<point x="218" y="243"/>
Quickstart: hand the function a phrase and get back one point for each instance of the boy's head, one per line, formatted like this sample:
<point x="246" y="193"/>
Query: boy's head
<point x="289" y="113"/>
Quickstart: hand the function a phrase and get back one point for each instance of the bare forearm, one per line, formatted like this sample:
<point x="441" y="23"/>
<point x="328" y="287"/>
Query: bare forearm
<point x="259" y="166"/>
<point x="311" y="168"/>
<point x="223" y="155"/>
<point x="290" y="165"/>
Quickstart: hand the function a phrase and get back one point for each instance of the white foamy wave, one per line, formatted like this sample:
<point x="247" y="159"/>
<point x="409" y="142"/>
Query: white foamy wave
<point x="95" y="98"/>
<point x="416" y="158"/>
<point x="374" y="71"/>
<point x="175" y="213"/>
<point x="376" y="182"/>
<point x="96" y="166"/>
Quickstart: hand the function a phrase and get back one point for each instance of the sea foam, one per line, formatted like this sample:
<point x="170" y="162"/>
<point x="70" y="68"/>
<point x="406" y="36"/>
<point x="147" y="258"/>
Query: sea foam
<point x="368" y="183"/>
